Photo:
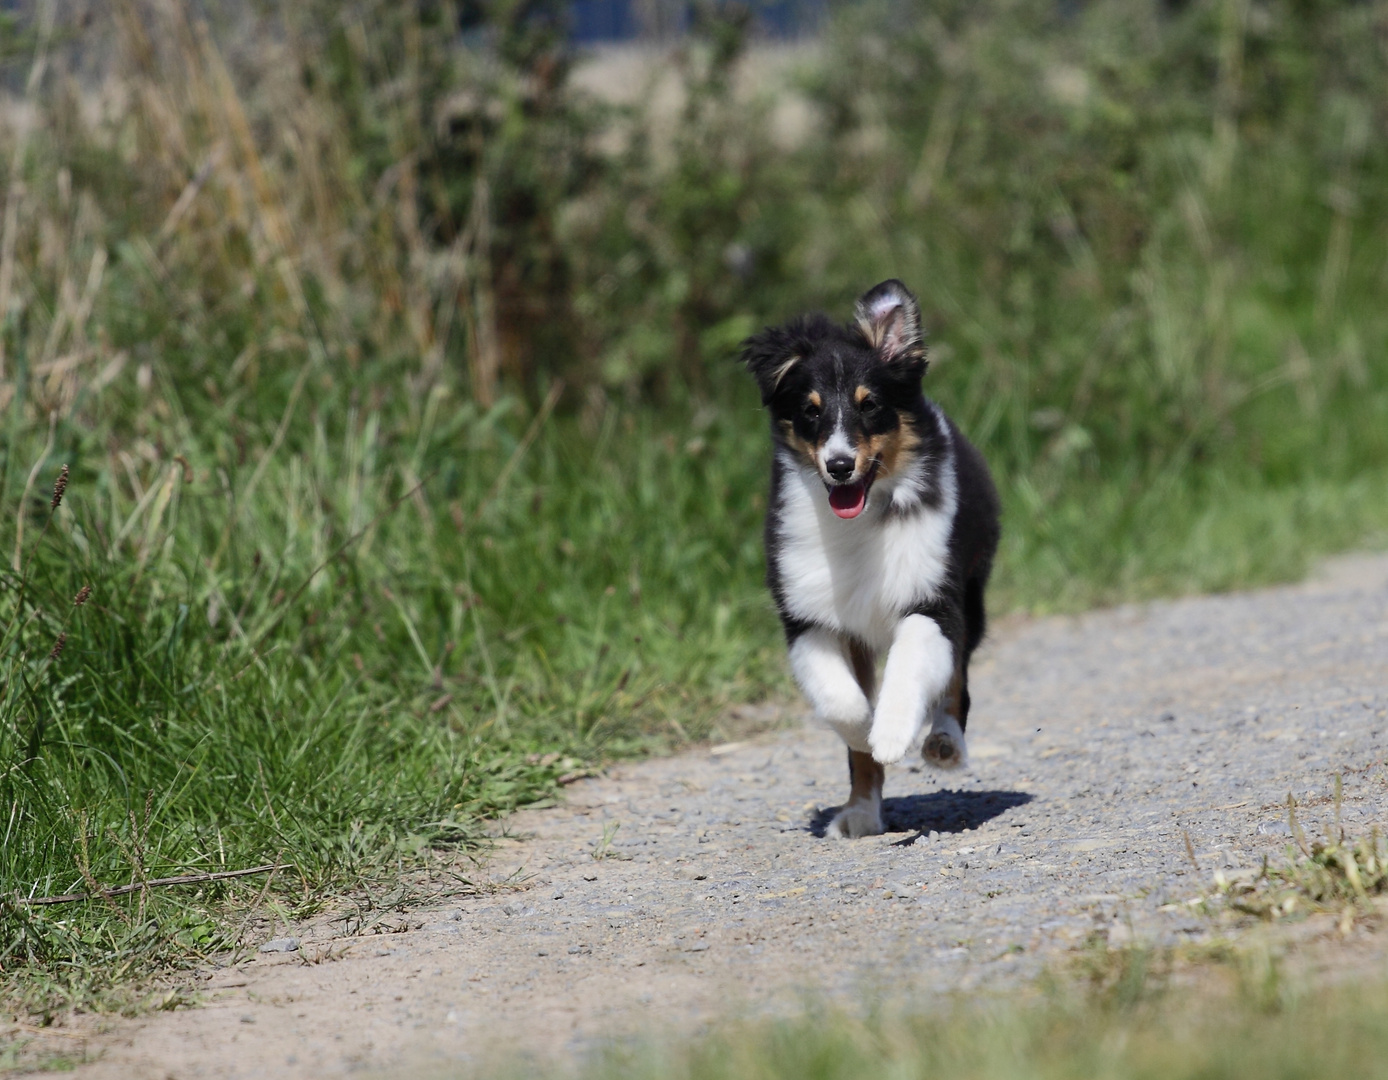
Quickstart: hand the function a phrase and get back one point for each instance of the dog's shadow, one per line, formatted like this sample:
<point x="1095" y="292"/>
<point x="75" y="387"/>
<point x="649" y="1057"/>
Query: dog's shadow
<point x="938" y="811"/>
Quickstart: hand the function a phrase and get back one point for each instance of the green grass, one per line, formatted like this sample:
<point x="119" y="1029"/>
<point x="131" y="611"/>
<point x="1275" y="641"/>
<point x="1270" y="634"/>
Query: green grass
<point x="1194" y="1030"/>
<point x="337" y="676"/>
<point x="411" y="471"/>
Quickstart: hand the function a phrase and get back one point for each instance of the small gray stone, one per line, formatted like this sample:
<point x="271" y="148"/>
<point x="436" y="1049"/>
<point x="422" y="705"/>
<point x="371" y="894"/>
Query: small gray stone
<point x="282" y="944"/>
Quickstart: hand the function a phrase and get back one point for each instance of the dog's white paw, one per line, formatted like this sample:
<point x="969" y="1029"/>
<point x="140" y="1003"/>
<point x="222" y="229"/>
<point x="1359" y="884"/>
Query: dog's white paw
<point x="889" y="742"/>
<point x="855" y="820"/>
<point x="943" y="750"/>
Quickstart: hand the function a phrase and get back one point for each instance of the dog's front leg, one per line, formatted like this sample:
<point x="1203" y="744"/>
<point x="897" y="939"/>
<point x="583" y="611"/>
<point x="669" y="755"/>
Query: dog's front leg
<point x="820" y="662"/>
<point x="919" y="667"/>
<point x="837" y="678"/>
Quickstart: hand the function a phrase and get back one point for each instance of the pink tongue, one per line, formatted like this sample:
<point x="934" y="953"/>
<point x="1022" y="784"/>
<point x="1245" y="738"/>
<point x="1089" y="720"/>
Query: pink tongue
<point x="848" y="500"/>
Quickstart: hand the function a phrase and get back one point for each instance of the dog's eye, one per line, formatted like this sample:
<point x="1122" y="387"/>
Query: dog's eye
<point x="811" y="411"/>
<point x="868" y="405"/>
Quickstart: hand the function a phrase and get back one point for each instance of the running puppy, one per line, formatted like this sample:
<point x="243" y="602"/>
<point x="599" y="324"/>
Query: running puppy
<point x="880" y="536"/>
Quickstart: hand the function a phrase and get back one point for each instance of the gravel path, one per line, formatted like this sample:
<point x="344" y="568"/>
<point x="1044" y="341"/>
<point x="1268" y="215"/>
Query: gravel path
<point x="1096" y="742"/>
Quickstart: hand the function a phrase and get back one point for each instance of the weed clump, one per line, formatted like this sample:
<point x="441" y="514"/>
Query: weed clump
<point x="1339" y="875"/>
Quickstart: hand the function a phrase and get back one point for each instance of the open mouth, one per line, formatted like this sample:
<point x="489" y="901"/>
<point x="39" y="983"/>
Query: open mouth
<point x="849" y="500"/>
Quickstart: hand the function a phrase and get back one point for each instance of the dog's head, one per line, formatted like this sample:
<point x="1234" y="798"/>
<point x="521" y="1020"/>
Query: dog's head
<point x="845" y="399"/>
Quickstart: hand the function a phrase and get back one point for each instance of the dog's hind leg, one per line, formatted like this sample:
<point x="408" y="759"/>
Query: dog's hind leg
<point x="945" y="747"/>
<point x="861" y="815"/>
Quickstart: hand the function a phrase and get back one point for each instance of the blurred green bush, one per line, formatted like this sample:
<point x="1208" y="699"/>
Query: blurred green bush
<point x="1141" y="233"/>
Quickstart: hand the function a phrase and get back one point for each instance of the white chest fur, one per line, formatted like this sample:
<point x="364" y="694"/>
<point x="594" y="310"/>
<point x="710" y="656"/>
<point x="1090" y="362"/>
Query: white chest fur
<point x="859" y="576"/>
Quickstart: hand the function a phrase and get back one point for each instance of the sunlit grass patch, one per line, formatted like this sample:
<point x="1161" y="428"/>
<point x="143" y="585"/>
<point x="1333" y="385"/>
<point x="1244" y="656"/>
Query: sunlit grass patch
<point x="1208" y="1030"/>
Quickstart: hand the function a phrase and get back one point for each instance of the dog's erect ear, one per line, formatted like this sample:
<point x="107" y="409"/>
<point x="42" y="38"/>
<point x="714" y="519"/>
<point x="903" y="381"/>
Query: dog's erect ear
<point x="890" y="319"/>
<point x="770" y="356"/>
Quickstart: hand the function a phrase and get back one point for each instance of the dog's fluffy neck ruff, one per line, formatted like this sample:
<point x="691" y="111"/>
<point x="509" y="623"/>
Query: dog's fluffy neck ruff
<point x="860" y="576"/>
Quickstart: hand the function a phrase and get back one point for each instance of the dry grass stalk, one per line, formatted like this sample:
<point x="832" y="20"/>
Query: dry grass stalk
<point x="153" y="883"/>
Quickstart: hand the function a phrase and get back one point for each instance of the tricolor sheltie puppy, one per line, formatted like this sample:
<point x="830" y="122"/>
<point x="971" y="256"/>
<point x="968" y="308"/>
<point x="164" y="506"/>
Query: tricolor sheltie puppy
<point x="880" y="536"/>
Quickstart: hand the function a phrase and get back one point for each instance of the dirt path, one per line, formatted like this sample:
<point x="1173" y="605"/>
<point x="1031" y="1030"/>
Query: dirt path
<point x="1095" y="741"/>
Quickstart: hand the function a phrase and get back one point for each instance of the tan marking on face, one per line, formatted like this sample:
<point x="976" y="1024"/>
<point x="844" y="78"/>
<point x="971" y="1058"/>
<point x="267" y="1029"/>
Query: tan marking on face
<point x="893" y="450"/>
<point x="861" y="394"/>
<point x="816" y="400"/>
<point x="796" y="443"/>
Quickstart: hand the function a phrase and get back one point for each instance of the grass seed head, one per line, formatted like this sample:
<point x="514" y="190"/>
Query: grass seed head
<point x="58" y="647"/>
<point x="83" y="595"/>
<point x="59" y="486"/>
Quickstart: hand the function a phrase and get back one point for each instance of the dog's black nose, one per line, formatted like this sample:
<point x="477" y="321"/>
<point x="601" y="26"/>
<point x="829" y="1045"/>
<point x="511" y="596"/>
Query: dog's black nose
<point x="840" y="468"/>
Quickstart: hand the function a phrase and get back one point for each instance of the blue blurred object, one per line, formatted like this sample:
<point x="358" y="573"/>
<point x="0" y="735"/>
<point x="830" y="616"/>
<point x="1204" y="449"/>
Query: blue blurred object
<point x="597" y="21"/>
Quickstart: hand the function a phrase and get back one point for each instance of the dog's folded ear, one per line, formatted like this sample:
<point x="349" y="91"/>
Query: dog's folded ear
<point x="890" y="319"/>
<point x="772" y="354"/>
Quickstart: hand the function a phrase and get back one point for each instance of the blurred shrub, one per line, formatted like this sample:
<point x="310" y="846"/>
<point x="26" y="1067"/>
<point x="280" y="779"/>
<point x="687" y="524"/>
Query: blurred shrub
<point x="683" y="251"/>
<point x="1141" y="233"/>
<point x="1133" y="225"/>
<point x="352" y="185"/>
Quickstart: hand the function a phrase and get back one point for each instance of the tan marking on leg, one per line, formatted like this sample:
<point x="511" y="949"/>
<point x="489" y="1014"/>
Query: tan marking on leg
<point x="864" y="667"/>
<point x="940" y="747"/>
<point x="954" y="695"/>
<point x="865" y="777"/>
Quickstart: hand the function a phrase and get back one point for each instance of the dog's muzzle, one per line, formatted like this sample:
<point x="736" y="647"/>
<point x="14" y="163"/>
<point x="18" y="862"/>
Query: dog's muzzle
<point x="848" y="500"/>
